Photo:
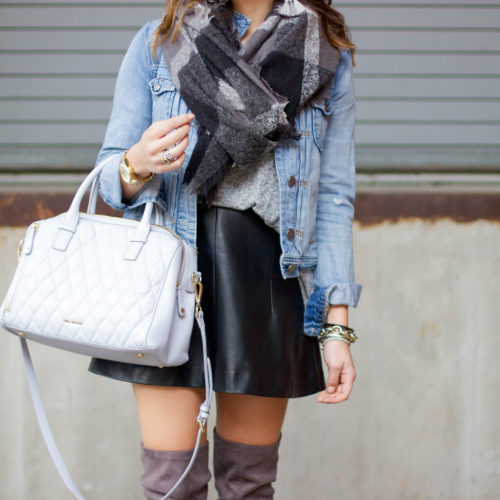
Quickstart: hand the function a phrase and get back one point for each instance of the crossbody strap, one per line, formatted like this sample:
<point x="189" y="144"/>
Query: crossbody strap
<point x="49" y="437"/>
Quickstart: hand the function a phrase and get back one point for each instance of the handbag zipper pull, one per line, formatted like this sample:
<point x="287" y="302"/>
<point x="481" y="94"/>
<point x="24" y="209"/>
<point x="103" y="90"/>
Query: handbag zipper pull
<point x="20" y="248"/>
<point x="198" y="291"/>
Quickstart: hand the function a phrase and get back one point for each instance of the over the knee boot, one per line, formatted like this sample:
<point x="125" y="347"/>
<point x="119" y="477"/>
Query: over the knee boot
<point x="162" y="469"/>
<point x="243" y="470"/>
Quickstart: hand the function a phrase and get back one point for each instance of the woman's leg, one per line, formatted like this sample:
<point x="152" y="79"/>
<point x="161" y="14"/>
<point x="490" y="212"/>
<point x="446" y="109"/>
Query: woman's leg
<point x="250" y="419"/>
<point x="167" y="417"/>
<point x="246" y="441"/>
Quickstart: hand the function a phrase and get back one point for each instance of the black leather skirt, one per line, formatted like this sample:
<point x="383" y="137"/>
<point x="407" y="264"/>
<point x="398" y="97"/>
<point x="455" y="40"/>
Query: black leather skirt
<point x="253" y="317"/>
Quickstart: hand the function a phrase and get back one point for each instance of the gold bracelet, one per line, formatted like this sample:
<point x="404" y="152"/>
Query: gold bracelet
<point x="336" y="332"/>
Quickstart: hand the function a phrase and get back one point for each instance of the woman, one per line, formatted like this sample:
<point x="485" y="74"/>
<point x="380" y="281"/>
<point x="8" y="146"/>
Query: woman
<point x="261" y="180"/>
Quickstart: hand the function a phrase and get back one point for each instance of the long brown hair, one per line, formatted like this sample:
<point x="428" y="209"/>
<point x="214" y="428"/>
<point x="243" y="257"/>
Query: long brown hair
<point x="332" y="21"/>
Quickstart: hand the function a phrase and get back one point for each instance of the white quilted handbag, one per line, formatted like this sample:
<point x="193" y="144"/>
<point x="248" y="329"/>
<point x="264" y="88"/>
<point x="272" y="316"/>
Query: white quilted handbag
<point x="107" y="287"/>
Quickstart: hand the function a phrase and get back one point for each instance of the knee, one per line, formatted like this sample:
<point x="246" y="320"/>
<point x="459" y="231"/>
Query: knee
<point x="251" y="420"/>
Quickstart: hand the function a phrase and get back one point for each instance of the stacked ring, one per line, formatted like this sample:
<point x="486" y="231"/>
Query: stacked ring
<point x="167" y="157"/>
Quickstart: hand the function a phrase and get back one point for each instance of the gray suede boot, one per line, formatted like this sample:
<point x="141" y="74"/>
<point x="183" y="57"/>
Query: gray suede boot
<point x="243" y="470"/>
<point x="162" y="469"/>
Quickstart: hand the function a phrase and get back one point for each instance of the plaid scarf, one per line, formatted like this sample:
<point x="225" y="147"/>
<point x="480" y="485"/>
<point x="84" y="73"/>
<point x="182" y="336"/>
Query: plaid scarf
<point x="245" y="96"/>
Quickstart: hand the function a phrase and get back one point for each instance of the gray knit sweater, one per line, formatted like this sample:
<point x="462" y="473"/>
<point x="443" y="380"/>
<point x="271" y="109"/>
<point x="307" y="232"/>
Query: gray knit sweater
<point x="257" y="188"/>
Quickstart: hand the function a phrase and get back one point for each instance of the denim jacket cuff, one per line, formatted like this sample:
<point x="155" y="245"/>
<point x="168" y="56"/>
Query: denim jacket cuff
<point x="110" y="187"/>
<point x="344" y="293"/>
<point x="319" y="303"/>
<point x="150" y="192"/>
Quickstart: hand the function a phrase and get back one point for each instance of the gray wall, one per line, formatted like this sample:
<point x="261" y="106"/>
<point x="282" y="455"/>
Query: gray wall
<point x="427" y="79"/>
<point x="421" y="424"/>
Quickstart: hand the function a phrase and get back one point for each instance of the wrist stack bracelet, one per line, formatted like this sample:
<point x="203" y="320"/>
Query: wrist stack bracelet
<point x="336" y="332"/>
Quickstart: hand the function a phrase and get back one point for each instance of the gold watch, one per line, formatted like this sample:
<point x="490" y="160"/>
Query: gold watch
<point x="128" y="175"/>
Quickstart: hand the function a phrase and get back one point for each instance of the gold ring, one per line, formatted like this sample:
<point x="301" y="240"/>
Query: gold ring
<point x="167" y="157"/>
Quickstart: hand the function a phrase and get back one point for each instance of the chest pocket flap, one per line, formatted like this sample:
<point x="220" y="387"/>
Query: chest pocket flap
<point x="322" y="109"/>
<point x="166" y="99"/>
<point x="161" y="84"/>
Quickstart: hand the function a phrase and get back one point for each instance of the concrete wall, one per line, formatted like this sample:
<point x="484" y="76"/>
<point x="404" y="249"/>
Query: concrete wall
<point x="422" y="421"/>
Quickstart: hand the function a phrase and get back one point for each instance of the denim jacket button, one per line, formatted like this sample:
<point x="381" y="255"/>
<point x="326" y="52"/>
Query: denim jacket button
<point x="156" y="87"/>
<point x="291" y="181"/>
<point x="290" y="234"/>
<point x="291" y="268"/>
<point x="327" y="105"/>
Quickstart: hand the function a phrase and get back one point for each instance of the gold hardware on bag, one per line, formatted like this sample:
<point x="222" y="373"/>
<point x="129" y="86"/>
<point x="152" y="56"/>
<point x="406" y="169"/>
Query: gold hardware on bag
<point x="198" y="292"/>
<point x="140" y="355"/>
<point x="20" y="249"/>
<point x="21" y="334"/>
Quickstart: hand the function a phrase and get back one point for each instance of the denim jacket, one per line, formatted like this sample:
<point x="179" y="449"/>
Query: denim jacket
<point x="316" y="173"/>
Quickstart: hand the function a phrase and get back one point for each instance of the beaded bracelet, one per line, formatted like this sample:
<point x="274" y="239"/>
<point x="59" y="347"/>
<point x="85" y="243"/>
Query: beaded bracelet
<point x="333" y="331"/>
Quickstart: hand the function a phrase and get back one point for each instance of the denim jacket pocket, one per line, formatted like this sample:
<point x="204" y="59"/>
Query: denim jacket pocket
<point x="322" y="109"/>
<point x="163" y="93"/>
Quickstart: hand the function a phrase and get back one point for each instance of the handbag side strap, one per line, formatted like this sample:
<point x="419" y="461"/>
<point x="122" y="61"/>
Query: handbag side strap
<point x="49" y="437"/>
<point x="44" y="424"/>
<point x="205" y="406"/>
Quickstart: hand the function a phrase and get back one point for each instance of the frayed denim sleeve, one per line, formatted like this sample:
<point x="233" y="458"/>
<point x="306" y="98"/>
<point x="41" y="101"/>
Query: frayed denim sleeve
<point x="319" y="303"/>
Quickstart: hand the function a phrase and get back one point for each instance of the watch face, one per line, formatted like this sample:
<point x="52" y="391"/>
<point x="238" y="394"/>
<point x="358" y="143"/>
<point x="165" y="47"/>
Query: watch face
<point x="125" y="173"/>
<point x="128" y="175"/>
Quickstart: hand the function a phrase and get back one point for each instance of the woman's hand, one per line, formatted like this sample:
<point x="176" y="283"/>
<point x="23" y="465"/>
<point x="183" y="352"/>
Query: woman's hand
<point x="145" y="156"/>
<point x="341" y="372"/>
<point x="337" y="356"/>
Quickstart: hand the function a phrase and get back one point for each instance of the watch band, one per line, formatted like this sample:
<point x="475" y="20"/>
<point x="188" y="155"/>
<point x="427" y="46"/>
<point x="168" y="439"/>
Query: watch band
<point x="128" y="175"/>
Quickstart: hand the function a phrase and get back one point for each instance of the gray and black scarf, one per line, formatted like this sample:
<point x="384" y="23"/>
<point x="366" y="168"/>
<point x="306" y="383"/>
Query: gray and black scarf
<point x="246" y="96"/>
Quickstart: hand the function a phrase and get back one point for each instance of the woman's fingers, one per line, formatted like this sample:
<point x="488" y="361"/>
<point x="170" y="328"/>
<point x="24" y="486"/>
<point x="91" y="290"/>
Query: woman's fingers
<point x="174" y="165"/>
<point x="333" y="379"/>
<point x="173" y="137"/>
<point x="341" y="373"/>
<point x="176" y="153"/>
<point x="163" y="127"/>
<point x="342" y="391"/>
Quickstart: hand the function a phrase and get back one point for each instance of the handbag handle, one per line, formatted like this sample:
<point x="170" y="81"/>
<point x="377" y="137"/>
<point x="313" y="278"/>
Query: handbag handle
<point x="92" y="203"/>
<point x="72" y="216"/>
